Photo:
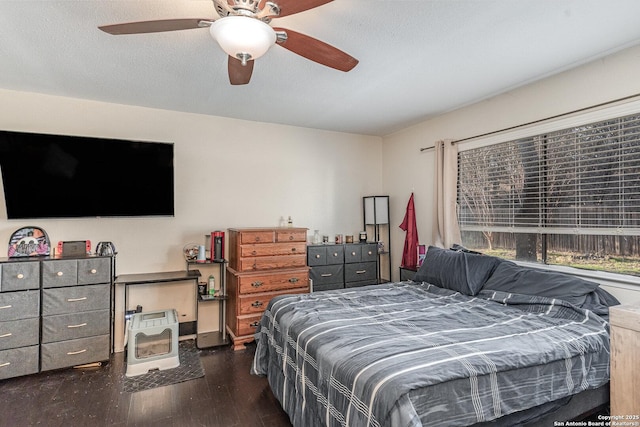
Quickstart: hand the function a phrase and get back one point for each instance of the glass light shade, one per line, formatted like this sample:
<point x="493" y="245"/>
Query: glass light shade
<point x="242" y="35"/>
<point x="376" y="210"/>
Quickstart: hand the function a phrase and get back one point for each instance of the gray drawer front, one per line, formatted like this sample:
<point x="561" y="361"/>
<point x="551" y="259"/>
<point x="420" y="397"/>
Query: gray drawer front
<point x="352" y="253"/>
<point x="329" y="287"/>
<point x="369" y="252"/>
<point x="19" y="333"/>
<point x="75" y="325"/>
<point x="75" y="352"/>
<point x="362" y="271"/>
<point x="18" y="361"/>
<point x="18" y="276"/>
<point x="316" y="255"/>
<point x="59" y="273"/>
<point x="327" y="274"/>
<point x="335" y="254"/>
<point x="19" y="305"/>
<point x="94" y="270"/>
<point x="75" y="299"/>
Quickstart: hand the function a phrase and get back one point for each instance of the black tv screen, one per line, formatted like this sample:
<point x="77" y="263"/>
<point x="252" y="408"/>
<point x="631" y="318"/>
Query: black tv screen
<point x="56" y="176"/>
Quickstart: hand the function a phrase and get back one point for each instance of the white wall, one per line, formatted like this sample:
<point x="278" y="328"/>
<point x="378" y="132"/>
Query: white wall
<point x="228" y="173"/>
<point x="405" y="168"/>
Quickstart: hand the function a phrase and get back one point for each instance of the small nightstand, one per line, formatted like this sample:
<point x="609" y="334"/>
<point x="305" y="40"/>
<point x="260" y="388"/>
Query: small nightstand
<point x="407" y="273"/>
<point x="625" y="360"/>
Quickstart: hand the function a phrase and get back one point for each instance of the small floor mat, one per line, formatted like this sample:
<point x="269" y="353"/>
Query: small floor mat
<point x="190" y="368"/>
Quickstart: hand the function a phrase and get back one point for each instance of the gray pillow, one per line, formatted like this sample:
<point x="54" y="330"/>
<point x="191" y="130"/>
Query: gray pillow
<point x="459" y="271"/>
<point x="510" y="277"/>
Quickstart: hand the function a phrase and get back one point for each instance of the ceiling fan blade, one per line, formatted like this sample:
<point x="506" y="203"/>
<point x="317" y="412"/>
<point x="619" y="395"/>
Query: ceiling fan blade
<point x="317" y="51"/>
<point x="290" y="7"/>
<point x="154" y="26"/>
<point x="239" y="74"/>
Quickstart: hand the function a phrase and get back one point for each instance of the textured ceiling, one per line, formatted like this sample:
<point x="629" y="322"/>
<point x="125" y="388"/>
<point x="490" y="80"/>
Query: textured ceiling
<point x="418" y="58"/>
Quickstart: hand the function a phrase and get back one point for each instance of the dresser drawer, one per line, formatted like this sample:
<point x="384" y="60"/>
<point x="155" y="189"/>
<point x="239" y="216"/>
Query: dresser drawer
<point x="76" y="298"/>
<point x="19" y="333"/>
<point x="94" y="270"/>
<point x="75" y="325"/>
<point x="289" y="248"/>
<point x="269" y="282"/>
<point x="359" y="272"/>
<point x="327" y="287"/>
<point x="247" y="324"/>
<point x="272" y="262"/>
<point x="327" y="274"/>
<point x="256" y="303"/>
<point x="360" y="252"/>
<point x="257" y="236"/>
<point x="18" y="361"/>
<point x="75" y="352"/>
<point x="299" y="235"/>
<point x="59" y="273"/>
<point x="19" y="305"/>
<point x="324" y="255"/>
<point x="18" y="276"/>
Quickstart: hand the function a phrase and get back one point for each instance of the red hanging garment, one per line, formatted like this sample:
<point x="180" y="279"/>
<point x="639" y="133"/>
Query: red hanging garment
<point x="410" y="252"/>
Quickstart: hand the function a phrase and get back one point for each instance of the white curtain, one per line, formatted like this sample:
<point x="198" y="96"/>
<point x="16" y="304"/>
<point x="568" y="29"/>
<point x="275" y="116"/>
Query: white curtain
<point x="445" y="228"/>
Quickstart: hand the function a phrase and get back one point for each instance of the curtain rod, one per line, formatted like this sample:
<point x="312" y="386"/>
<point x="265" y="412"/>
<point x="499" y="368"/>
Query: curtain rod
<point x="557" y="116"/>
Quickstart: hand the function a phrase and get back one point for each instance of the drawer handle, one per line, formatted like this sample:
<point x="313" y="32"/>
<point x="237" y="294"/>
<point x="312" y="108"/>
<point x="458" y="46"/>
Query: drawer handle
<point x="59" y="273"/>
<point x="6" y="306"/>
<point x="290" y="237"/>
<point x="293" y="249"/>
<point x="257" y="304"/>
<point x="353" y="253"/>
<point x="326" y="275"/>
<point x="20" y="276"/>
<point x="335" y="254"/>
<point x="257" y="284"/>
<point x="254" y="324"/>
<point x="253" y="252"/>
<point x="77" y="326"/>
<point x="76" y="299"/>
<point x="370" y="253"/>
<point x="71" y="353"/>
<point x="257" y="238"/>
<point x="94" y="271"/>
<point x="318" y="256"/>
<point x="5" y="364"/>
<point x="361" y="271"/>
<point x="293" y="280"/>
<point x="8" y="334"/>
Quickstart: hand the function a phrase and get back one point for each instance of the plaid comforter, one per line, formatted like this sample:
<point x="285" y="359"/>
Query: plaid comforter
<point x="413" y="354"/>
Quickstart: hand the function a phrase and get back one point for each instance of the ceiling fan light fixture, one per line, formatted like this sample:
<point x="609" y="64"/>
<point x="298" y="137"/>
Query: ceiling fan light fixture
<point x="243" y="37"/>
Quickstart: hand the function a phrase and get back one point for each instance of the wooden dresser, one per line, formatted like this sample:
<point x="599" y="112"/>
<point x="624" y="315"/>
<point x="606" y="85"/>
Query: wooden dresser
<point x="263" y="263"/>
<point x="625" y="360"/>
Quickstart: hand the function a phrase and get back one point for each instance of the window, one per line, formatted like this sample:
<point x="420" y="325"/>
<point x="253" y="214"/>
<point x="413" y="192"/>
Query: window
<point x="568" y="196"/>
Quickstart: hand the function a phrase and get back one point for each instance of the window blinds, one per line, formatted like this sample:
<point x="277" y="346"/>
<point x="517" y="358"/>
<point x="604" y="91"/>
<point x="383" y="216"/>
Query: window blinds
<point x="582" y="180"/>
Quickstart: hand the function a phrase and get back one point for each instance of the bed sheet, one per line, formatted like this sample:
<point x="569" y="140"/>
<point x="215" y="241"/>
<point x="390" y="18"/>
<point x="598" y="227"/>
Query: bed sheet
<point x="413" y="354"/>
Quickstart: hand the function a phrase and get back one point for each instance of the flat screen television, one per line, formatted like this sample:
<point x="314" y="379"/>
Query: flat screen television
<point x="57" y="176"/>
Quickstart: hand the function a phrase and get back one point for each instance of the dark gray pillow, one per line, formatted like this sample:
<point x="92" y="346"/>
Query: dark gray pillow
<point x="510" y="277"/>
<point x="459" y="271"/>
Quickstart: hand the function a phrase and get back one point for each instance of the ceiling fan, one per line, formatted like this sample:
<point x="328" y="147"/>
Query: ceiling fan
<point x="242" y="30"/>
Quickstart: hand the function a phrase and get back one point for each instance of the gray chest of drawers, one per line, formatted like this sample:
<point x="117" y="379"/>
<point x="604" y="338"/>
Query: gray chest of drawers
<point x="54" y="313"/>
<point x="19" y="318"/>
<point x="340" y="266"/>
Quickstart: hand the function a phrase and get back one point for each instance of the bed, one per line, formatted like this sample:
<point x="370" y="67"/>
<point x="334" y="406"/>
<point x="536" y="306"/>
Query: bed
<point x="457" y="346"/>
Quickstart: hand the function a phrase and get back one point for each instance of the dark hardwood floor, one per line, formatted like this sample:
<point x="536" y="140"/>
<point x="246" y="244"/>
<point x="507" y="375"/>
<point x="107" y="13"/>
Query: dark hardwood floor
<point x="228" y="395"/>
